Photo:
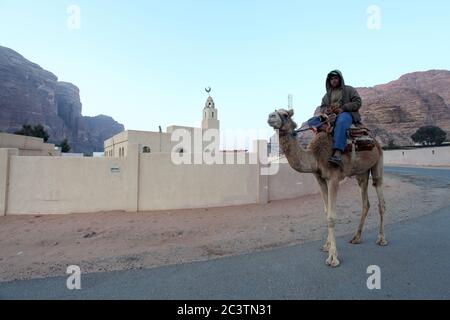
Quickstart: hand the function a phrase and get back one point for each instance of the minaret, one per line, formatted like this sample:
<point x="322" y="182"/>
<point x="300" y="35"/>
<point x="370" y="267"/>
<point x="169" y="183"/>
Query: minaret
<point x="210" y="115"/>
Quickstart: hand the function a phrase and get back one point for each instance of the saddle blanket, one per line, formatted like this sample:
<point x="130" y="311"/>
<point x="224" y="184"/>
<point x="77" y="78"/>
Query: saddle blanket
<point x="360" y="139"/>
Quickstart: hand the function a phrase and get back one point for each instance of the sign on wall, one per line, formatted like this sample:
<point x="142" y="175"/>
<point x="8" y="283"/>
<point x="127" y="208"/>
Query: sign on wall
<point x="115" y="169"/>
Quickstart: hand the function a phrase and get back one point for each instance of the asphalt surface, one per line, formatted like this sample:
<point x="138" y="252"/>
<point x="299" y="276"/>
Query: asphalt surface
<point x="415" y="265"/>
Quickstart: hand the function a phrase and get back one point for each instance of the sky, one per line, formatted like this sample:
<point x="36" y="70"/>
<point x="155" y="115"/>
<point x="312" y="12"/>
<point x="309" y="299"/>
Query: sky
<point x="146" y="63"/>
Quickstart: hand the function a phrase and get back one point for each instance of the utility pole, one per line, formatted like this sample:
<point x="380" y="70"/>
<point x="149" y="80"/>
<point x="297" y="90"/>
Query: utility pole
<point x="160" y="138"/>
<point x="290" y="102"/>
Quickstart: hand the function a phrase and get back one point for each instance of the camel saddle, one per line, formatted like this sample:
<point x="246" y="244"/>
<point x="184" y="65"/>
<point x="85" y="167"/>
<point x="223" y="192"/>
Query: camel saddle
<point x="359" y="138"/>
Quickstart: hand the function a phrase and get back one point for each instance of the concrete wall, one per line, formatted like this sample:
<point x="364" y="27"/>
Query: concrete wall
<point x="164" y="185"/>
<point x="288" y="183"/>
<point x="50" y="186"/>
<point x="5" y="159"/>
<point x="28" y="146"/>
<point x="138" y="182"/>
<point x="418" y="157"/>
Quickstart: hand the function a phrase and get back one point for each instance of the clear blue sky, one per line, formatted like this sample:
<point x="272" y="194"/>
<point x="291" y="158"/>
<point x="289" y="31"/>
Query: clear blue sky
<point x="146" y="63"/>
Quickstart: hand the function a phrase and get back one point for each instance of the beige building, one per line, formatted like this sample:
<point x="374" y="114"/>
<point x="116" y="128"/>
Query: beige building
<point x="161" y="142"/>
<point x="28" y="146"/>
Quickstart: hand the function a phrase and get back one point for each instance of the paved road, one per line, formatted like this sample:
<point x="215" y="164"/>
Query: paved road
<point x="416" y="265"/>
<point x="436" y="178"/>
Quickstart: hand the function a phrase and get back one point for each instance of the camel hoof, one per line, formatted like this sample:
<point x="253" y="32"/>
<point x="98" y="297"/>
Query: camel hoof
<point x="332" y="261"/>
<point x="356" y="240"/>
<point x="382" y="242"/>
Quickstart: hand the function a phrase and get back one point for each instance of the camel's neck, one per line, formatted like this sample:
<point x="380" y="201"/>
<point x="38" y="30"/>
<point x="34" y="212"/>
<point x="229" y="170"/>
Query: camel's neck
<point x="299" y="159"/>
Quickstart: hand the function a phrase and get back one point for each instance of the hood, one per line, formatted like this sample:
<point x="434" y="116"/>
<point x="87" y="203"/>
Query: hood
<point x="327" y="82"/>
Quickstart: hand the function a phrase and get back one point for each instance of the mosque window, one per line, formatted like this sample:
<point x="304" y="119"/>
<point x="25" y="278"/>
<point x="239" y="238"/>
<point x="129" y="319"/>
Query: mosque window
<point x="146" y="149"/>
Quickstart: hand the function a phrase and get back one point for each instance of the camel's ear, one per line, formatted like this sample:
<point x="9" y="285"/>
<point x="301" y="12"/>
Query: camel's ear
<point x="291" y="112"/>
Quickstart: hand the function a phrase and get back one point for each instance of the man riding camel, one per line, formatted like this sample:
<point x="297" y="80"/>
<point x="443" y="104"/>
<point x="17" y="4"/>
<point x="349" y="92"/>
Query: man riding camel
<point x="344" y="102"/>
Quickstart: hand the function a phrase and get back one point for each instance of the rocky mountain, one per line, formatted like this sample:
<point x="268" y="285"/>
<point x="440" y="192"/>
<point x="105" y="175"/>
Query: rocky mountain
<point x="31" y="95"/>
<point x="394" y="111"/>
<point x="397" y="109"/>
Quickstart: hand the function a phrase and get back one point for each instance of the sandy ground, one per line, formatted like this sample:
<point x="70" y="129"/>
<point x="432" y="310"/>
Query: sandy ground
<point x="43" y="246"/>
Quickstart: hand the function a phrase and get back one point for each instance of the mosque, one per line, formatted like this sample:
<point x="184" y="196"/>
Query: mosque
<point x="160" y="142"/>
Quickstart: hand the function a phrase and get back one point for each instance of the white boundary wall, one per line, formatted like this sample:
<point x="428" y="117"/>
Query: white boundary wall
<point x="138" y="182"/>
<point x="419" y="157"/>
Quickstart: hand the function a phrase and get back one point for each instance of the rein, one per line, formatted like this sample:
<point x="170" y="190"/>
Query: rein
<point x="294" y="133"/>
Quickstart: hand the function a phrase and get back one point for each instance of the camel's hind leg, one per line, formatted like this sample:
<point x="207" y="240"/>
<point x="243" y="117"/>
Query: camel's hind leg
<point x="324" y="192"/>
<point x="377" y="177"/>
<point x="333" y="185"/>
<point x="363" y="182"/>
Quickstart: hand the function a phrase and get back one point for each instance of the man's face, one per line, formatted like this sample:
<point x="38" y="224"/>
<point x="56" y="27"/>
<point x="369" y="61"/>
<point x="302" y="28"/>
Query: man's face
<point x="335" y="82"/>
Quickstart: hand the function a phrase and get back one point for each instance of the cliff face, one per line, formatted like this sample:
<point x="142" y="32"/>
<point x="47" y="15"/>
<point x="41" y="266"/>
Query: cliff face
<point x="397" y="109"/>
<point x="394" y="111"/>
<point x="433" y="81"/>
<point x="93" y="131"/>
<point x="32" y="95"/>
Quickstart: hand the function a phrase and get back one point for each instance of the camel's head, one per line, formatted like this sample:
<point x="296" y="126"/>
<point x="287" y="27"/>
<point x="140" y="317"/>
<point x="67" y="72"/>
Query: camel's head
<point x="282" y="120"/>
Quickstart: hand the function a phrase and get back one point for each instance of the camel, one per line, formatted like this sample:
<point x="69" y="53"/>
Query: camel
<point x="314" y="160"/>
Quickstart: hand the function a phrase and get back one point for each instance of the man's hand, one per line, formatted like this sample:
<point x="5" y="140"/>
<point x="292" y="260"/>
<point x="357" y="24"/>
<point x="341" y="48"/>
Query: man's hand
<point x="329" y="110"/>
<point x="328" y="122"/>
<point x="336" y="110"/>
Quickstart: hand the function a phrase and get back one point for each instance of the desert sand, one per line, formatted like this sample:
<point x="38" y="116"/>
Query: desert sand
<point x="44" y="246"/>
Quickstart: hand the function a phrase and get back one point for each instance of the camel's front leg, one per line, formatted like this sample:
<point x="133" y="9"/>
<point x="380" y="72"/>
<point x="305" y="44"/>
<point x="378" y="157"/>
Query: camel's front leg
<point x="331" y="221"/>
<point x="323" y="188"/>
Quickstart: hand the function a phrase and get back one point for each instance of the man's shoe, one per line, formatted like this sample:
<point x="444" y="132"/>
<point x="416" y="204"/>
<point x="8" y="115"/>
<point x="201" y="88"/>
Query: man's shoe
<point x="336" y="161"/>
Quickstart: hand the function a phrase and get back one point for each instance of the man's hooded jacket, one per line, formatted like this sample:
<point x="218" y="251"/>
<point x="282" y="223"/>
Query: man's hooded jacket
<point x="351" y="101"/>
